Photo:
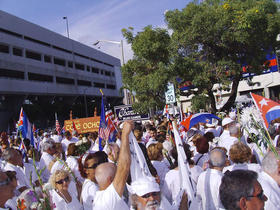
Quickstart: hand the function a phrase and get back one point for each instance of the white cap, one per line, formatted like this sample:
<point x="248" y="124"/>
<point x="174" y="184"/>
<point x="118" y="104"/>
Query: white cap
<point x="144" y="185"/>
<point x="226" y="121"/>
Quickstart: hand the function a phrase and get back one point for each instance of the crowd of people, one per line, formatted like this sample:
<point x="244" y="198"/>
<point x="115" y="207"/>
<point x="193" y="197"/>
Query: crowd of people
<point x="227" y="169"/>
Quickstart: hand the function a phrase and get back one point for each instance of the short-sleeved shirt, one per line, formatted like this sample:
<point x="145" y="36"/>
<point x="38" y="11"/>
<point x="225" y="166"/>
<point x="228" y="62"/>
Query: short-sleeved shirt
<point x="109" y="199"/>
<point x="88" y="193"/>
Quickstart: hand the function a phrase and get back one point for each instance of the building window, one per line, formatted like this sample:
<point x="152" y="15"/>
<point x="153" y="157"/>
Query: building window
<point x="99" y="85"/>
<point x="39" y="77"/>
<point x="4" y="48"/>
<point x="11" y="74"/>
<point x="70" y="64"/>
<point x="59" y="61"/>
<point x="107" y="73"/>
<point x="102" y="72"/>
<point x="88" y="68"/>
<point x="84" y="83"/>
<point x="111" y="86"/>
<point x="63" y="80"/>
<point x="33" y="55"/>
<point x="95" y="70"/>
<point x="47" y="58"/>
<point x="79" y="66"/>
<point x="17" y="51"/>
<point x="113" y="74"/>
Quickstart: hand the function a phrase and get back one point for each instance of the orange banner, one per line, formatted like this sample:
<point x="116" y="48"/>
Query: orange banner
<point x="83" y="125"/>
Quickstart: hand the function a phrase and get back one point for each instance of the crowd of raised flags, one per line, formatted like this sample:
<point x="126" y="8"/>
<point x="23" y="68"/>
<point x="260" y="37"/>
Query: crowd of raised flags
<point x="156" y="164"/>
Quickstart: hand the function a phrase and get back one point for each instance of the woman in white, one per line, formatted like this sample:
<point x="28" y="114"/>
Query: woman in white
<point x="87" y="166"/>
<point x="72" y="161"/>
<point x="61" y="195"/>
<point x="154" y="150"/>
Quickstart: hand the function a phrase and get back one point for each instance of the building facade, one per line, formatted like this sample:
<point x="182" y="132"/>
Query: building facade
<point x="41" y="67"/>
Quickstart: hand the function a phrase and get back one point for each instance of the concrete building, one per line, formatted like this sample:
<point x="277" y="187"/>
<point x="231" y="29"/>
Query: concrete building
<point x="267" y="84"/>
<point x="41" y="67"/>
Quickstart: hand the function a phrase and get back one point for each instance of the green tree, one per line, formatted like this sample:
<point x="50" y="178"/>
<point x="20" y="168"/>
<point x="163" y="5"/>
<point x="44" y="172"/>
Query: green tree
<point x="212" y="40"/>
<point x="209" y="44"/>
<point x="147" y="73"/>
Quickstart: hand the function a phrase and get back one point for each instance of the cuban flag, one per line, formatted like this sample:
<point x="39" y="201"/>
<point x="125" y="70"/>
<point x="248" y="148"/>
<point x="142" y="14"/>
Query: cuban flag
<point x="25" y="127"/>
<point x="270" y="110"/>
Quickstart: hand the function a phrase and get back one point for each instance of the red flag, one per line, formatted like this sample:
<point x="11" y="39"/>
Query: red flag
<point x="34" y="128"/>
<point x="74" y="127"/>
<point x="269" y="109"/>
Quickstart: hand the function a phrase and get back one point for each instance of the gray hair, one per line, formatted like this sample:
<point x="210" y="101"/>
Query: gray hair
<point x="217" y="158"/>
<point x="233" y="129"/>
<point x="270" y="162"/>
<point x="8" y="154"/>
<point x="47" y="144"/>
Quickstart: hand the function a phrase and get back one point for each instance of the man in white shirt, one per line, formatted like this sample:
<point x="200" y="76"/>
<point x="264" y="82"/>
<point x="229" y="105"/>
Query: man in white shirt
<point x="225" y="124"/>
<point x="112" y="179"/>
<point x="269" y="178"/>
<point x="210" y="180"/>
<point x="14" y="162"/>
<point x="57" y="138"/>
<point x="67" y="140"/>
<point x="48" y="148"/>
<point x="228" y="140"/>
<point x="6" y="190"/>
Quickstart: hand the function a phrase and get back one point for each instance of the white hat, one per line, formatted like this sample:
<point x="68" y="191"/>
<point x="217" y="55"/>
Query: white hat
<point x="45" y="134"/>
<point x="226" y="121"/>
<point x="144" y="185"/>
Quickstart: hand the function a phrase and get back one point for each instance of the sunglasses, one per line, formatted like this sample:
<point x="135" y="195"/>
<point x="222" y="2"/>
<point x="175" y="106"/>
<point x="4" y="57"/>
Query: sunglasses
<point x="150" y="194"/>
<point x="94" y="166"/>
<point x="5" y="182"/>
<point x="66" y="179"/>
<point x="261" y="196"/>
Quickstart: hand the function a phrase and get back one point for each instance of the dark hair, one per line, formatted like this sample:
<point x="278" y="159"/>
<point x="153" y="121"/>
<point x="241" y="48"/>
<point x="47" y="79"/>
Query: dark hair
<point x="202" y="145"/>
<point x="100" y="156"/>
<point x="209" y="136"/>
<point x="72" y="150"/>
<point x="235" y="185"/>
<point x="188" y="153"/>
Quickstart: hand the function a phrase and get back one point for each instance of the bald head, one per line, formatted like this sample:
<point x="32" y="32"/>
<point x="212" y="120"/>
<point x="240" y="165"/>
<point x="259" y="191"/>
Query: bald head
<point x="217" y="158"/>
<point x="105" y="174"/>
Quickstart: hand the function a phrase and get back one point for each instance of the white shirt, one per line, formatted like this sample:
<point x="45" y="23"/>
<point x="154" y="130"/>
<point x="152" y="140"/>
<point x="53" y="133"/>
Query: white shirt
<point x="56" y="138"/>
<point x="213" y="130"/>
<point x="72" y="163"/>
<point x="88" y="193"/>
<point x="61" y="204"/>
<point x="208" y="189"/>
<point x="227" y="142"/>
<point x="22" y="180"/>
<point x="195" y="172"/>
<point x="200" y="159"/>
<point x="65" y="143"/>
<point x="171" y="186"/>
<point x="44" y="163"/>
<point x="161" y="169"/>
<point x="29" y="169"/>
<point x="109" y="199"/>
<point x="243" y="166"/>
<point x="271" y="190"/>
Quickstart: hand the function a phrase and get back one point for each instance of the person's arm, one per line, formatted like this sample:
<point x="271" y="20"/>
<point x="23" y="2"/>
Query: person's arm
<point x="124" y="159"/>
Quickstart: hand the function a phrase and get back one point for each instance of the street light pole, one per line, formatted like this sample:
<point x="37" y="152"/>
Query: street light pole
<point x="126" y="99"/>
<point x="67" y="27"/>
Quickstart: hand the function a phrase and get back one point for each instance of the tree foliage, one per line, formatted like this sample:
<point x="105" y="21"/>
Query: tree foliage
<point x="210" y="43"/>
<point x="147" y="73"/>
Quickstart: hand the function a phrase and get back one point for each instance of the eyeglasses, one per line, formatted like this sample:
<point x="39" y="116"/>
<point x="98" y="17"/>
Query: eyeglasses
<point x="93" y="166"/>
<point x="261" y="196"/>
<point x="5" y="182"/>
<point x="150" y="194"/>
<point x="66" y="179"/>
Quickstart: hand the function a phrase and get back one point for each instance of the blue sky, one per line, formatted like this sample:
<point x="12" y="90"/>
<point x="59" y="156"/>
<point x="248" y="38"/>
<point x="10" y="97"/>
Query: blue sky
<point x="91" y="20"/>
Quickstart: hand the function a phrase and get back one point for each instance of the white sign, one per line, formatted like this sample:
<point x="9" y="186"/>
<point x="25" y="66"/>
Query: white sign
<point x="170" y="94"/>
